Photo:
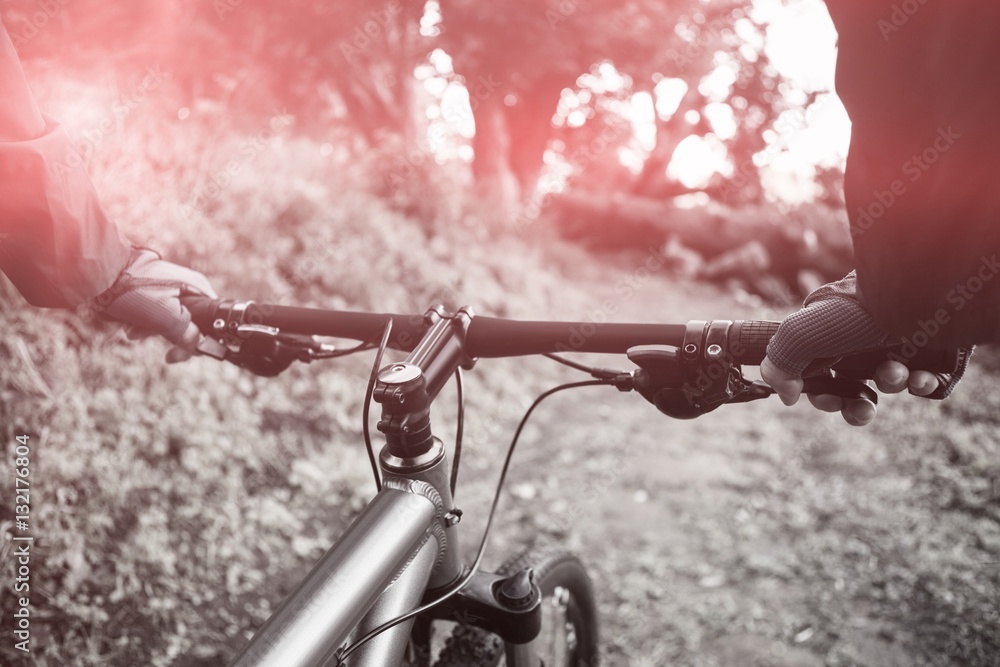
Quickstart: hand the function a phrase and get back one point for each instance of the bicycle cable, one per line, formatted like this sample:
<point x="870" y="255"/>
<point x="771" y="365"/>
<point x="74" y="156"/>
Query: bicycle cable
<point x="599" y="373"/>
<point x="368" y="401"/>
<point x="459" y="428"/>
<point x="363" y="347"/>
<point x="347" y="651"/>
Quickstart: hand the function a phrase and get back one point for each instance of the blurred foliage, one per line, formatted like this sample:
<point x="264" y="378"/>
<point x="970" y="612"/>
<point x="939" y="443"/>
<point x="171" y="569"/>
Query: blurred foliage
<point x="304" y="55"/>
<point x="538" y="53"/>
<point x="174" y="506"/>
<point x="351" y="65"/>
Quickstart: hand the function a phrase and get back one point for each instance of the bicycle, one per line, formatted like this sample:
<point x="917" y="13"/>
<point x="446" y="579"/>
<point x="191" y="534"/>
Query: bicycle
<point x="373" y="598"/>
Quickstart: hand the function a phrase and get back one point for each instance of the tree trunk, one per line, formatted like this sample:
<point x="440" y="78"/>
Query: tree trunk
<point x="496" y="182"/>
<point x="652" y="181"/>
<point x="530" y="120"/>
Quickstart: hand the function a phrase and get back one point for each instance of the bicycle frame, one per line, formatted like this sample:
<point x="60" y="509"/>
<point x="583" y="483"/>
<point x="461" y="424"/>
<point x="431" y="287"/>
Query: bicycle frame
<point x="403" y="543"/>
<point x="402" y="550"/>
<point x="378" y="569"/>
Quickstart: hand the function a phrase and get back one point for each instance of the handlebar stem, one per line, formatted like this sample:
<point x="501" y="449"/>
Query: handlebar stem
<point x="406" y="390"/>
<point x="442" y="349"/>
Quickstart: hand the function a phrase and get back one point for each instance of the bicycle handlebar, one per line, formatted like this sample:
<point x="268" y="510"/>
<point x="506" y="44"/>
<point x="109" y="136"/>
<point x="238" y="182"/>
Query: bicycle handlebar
<point x="489" y="337"/>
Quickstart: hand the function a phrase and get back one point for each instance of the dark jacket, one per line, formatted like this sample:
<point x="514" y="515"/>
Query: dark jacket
<point x="920" y="82"/>
<point x="56" y="244"/>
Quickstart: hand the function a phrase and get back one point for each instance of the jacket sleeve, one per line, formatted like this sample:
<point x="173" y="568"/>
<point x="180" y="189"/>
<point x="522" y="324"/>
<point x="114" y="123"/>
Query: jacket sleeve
<point x="922" y="188"/>
<point x="57" y="245"/>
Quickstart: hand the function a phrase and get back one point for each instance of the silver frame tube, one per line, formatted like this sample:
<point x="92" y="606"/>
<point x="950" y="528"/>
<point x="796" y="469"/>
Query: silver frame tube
<point x="403" y="595"/>
<point x="316" y="619"/>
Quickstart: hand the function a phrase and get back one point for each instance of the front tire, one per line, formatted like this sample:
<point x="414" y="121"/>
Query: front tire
<point x="568" y="637"/>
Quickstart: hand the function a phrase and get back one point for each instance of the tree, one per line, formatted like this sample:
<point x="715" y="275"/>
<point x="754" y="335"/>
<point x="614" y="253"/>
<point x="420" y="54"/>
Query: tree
<point x="357" y="57"/>
<point x="351" y="64"/>
<point x="536" y="51"/>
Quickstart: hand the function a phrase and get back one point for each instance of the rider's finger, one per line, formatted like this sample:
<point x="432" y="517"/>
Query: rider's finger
<point x="186" y="346"/>
<point x="891" y="377"/>
<point x="922" y="383"/>
<point x="787" y="387"/>
<point x="826" y="402"/>
<point x="789" y="391"/>
<point x="858" y="412"/>
<point x="175" y="355"/>
<point x="137" y="333"/>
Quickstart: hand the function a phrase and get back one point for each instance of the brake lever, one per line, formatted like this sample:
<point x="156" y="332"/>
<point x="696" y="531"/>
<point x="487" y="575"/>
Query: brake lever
<point x="753" y="391"/>
<point x="210" y="347"/>
<point x="851" y="390"/>
<point x="266" y="354"/>
<point x="848" y="389"/>
<point x="685" y="389"/>
<point x="263" y="350"/>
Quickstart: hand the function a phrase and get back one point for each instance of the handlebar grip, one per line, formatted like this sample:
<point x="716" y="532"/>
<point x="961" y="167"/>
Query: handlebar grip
<point x="863" y="364"/>
<point x="748" y="341"/>
<point x="203" y="310"/>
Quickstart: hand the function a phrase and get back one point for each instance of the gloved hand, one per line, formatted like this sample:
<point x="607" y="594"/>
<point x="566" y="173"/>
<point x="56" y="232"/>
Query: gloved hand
<point x="833" y="323"/>
<point x="146" y="298"/>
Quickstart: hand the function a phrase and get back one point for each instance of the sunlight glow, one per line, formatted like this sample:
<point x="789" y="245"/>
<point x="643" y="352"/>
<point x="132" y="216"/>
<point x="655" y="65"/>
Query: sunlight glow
<point x="632" y="160"/>
<point x="697" y="159"/>
<point x="456" y="110"/>
<point x="604" y="79"/>
<point x="642" y="114"/>
<point x="669" y="93"/>
<point x="431" y="20"/>
<point x="576" y="118"/>
<point x="435" y="85"/>
<point x="722" y="120"/>
<point x="716" y="85"/>
<point x="441" y="62"/>
<point x="801" y="42"/>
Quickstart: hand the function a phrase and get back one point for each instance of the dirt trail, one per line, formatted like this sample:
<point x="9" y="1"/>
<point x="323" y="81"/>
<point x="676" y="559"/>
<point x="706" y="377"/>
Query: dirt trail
<point x="766" y="536"/>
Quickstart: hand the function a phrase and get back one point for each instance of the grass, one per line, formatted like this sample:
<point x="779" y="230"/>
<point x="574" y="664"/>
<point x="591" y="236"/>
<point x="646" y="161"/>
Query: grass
<point x="173" y="507"/>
